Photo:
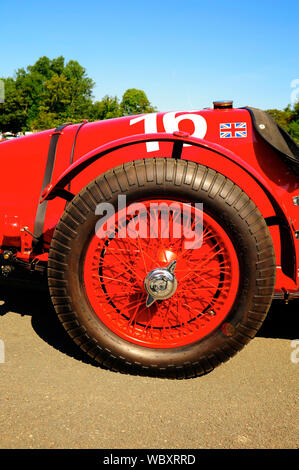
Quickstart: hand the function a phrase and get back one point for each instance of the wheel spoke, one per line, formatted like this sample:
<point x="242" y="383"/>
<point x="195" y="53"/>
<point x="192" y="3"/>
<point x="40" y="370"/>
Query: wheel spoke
<point x="207" y="278"/>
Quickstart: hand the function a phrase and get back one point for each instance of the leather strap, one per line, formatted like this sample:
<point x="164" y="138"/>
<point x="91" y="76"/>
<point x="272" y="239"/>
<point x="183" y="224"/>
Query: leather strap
<point x="41" y="209"/>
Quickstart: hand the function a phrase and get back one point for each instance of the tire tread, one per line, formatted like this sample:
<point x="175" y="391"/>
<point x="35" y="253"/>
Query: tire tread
<point x="179" y="172"/>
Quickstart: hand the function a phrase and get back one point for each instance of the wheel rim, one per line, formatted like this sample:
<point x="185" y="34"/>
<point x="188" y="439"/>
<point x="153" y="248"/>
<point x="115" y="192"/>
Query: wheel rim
<point x="115" y="269"/>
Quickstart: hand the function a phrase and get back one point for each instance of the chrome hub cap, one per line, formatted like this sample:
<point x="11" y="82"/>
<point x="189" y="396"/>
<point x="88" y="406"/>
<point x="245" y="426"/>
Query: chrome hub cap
<point x="160" y="284"/>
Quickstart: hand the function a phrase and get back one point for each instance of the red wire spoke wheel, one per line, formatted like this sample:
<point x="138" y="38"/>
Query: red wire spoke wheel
<point x="133" y="291"/>
<point x="115" y="270"/>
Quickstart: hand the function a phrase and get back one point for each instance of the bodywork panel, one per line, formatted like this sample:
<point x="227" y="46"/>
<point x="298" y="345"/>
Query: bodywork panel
<point x="224" y="140"/>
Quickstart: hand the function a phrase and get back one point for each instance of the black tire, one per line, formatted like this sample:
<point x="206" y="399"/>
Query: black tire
<point x="186" y="181"/>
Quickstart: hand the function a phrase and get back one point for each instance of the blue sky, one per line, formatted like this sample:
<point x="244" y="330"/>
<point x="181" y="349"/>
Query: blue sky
<point x="183" y="54"/>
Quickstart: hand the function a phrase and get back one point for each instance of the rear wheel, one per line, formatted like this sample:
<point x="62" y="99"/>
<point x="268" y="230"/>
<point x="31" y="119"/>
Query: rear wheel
<point x="139" y="296"/>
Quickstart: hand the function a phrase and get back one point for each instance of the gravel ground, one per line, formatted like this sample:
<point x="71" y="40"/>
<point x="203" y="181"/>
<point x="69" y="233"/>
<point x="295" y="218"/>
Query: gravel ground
<point x="53" y="397"/>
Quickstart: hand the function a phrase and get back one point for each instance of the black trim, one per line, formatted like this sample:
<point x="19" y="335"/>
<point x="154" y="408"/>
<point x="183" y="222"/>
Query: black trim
<point x="73" y="152"/>
<point x="276" y="137"/>
<point x="177" y="149"/>
<point x="273" y="220"/>
<point x="75" y="140"/>
<point x="41" y="209"/>
<point x="64" y="194"/>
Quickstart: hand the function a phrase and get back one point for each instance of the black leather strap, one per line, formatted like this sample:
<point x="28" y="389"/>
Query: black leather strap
<point x="41" y="209"/>
<point x="74" y="145"/>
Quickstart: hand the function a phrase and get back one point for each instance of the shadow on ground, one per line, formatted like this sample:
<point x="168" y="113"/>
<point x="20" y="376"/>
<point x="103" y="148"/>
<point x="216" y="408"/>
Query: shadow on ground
<point x="33" y="299"/>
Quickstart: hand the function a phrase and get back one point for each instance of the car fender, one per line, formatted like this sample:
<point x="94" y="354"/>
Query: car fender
<point x="266" y="197"/>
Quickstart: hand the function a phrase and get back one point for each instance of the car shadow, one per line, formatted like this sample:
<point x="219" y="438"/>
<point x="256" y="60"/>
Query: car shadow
<point x="33" y="299"/>
<point x="282" y="321"/>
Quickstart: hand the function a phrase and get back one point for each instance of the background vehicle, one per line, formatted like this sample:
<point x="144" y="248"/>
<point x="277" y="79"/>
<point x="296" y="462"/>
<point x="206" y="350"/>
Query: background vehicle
<point x="8" y="136"/>
<point x="149" y="304"/>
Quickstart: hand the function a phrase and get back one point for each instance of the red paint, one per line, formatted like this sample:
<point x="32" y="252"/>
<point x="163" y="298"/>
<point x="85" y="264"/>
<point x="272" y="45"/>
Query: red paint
<point x="248" y="161"/>
<point x="117" y="295"/>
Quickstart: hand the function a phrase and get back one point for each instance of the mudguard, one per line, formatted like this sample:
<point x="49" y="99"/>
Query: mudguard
<point x="227" y="163"/>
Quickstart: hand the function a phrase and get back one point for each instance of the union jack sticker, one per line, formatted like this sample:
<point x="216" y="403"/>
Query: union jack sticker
<point x="230" y="130"/>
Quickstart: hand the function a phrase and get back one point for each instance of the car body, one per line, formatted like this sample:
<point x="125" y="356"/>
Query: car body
<point x="42" y="172"/>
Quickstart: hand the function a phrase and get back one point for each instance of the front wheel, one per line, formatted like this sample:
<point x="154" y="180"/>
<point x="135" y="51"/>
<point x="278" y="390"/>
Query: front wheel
<point x="136" y="293"/>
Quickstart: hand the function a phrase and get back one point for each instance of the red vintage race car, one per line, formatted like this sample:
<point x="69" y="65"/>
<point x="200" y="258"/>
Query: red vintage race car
<point x="164" y="237"/>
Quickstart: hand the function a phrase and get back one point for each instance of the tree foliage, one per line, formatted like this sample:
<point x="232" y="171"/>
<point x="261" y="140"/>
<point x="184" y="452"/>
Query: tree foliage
<point x="51" y="92"/>
<point x="107" y="108"/>
<point x="135" y="102"/>
<point x="288" y="119"/>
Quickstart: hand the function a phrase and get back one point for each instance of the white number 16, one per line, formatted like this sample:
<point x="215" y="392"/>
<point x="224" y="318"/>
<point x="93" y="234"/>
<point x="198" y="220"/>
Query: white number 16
<point x="171" y="124"/>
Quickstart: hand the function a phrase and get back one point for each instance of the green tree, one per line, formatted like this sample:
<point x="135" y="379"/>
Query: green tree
<point x="45" y="120"/>
<point x="288" y="119"/>
<point x="50" y="87"/>
<point x="51" y="92"/>
<point x="80" y="88"/>
<point x="13" y="112"/>
<point x="56" y="95"/>
<point x="295" y="115"/>
<point x="294" y="130"/>
<point x="107" y="108"/>
<point x="283" y="118"/>
<point x="135" y="102"/>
